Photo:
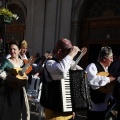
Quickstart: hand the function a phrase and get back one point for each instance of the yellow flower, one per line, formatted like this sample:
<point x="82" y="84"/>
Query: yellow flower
<point x="7" y="12"/>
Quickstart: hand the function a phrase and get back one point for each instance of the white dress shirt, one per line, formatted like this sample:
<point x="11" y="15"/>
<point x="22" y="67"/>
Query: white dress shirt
<point x="58" y="70"/>
<point x="95" y="80"/>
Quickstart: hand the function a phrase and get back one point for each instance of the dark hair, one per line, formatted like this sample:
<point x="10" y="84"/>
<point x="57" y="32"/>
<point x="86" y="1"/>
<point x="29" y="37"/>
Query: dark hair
<point x="14" y="43"/>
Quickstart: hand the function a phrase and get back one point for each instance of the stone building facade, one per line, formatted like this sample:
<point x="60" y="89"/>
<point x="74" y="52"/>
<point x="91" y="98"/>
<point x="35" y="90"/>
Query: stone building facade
<point x="90" y="23"/>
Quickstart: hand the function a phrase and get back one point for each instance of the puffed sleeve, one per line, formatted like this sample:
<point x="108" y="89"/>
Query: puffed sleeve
<point x="5" y="65"/>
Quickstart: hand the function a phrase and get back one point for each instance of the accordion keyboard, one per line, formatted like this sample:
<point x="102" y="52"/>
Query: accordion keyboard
<point x="66" y="94"/>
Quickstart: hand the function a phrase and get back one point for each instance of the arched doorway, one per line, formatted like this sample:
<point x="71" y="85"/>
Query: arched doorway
<point x="100" y="27"/>
<point x="15" y="30"/>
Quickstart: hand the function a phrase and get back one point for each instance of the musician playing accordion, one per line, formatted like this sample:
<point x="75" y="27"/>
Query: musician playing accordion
<point x="55" y="70"/>
<point x="101" y="84"/>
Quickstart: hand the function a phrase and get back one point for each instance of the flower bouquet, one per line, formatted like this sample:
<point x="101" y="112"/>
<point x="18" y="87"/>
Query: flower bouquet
<point x="8" y="15"/>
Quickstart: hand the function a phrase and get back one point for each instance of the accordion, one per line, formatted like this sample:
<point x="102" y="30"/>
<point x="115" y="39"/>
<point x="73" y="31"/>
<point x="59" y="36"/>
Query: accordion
<point x="80" y="90"/>
<point x="67" y="95"/>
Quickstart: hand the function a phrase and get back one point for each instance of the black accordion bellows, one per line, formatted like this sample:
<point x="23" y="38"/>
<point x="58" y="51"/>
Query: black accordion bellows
<point x="80" y="93"/>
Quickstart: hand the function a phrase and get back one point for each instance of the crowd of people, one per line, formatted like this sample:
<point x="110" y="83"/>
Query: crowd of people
<point x="102" y="76"/>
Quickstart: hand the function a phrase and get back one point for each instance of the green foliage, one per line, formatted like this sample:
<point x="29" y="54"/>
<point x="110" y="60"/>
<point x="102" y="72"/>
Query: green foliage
<point x="8" y="15"/>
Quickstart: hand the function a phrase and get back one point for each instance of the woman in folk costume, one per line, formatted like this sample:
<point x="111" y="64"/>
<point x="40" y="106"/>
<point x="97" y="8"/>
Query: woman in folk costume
<point x="23" y="50"/>
<point x="13" y="99"/>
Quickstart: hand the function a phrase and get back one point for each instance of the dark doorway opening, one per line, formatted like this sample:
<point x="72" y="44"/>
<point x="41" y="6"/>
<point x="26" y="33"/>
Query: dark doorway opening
<point x="95" y="48"/>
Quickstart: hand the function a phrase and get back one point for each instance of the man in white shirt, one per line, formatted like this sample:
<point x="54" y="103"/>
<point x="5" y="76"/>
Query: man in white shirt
<point x="98" y="88"/>
<point x="56" y="69"/>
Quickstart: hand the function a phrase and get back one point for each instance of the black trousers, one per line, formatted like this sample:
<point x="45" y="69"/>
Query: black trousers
<point x="93" y="115"/>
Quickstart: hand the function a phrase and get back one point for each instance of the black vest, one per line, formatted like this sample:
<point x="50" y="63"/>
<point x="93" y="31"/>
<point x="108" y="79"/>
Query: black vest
<point x="50" y="93"/>
<point x="96" y="96"/>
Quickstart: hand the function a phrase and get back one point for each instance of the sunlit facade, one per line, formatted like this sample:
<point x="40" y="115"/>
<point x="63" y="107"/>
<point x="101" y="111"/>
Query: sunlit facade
<point x="90" y="23"/>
